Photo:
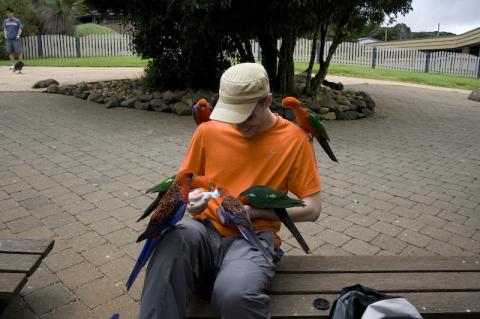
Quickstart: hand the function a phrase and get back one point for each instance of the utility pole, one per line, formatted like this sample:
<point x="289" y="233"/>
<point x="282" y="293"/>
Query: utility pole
<point x="386" y="31"/>
<point x="438" y="30"/>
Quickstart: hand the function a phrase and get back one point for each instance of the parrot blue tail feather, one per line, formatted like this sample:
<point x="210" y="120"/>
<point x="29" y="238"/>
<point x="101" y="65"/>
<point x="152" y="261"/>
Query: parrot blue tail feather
<point x="141" y="261"/>
<point x="252" y="238"/>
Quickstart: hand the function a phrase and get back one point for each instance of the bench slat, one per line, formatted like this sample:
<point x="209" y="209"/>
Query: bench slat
<point x="26" y="246"/>
<point x="388" y="282"/>
<point x="430" y="305"/>
<point x="329" y="264"/>
<point x="19" y="263"/>
<point x="11" y="284"/>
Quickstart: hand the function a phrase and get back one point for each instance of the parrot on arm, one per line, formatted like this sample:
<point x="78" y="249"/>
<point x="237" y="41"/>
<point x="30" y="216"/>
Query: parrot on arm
<point x="201" y="111"/>
<point x="236" y="217"/>
<point x="260" y="196"/>
<point x="309" y="121"/>
<point x="161" y="189"/>
<point x="169" y="211"/>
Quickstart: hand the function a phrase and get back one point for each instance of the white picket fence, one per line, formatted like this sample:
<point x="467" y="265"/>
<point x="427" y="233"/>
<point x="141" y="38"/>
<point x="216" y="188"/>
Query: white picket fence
<point x="63" y="46"/>
<point x="466" y="65"/>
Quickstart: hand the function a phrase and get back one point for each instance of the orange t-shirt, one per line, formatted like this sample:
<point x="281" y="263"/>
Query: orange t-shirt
<point x="281" y="157"/>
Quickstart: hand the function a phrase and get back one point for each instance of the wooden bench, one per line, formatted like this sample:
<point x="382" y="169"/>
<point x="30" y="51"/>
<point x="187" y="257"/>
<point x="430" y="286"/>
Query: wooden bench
<point x="18" y="260"/>
<point x="440" y="287"/>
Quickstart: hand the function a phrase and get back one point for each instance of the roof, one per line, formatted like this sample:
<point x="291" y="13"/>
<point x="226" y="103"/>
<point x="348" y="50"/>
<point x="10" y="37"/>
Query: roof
<point x="468" y="38"/>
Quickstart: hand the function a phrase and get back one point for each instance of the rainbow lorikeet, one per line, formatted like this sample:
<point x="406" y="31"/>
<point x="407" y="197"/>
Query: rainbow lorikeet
<point x="170" y="210"/>
<point x="309" y="121"/>
<point x="260" y="196"/>
<point x="236" y="217"/>
<point x="201" y="111"/>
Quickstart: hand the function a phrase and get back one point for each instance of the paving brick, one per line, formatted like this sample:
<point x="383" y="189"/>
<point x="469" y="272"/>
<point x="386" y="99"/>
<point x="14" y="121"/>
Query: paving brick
<point x="14" y="213"/>
<point x="75" y="310"/>
<point x="110" y="203"/>
<point x="23" y="224"/>
<point x="383" y="216"/>
<point x="41" y="278"/>
<point x="386" y="228"/>
<point x="333" y="237"/>
<point x="105" y="290"/>
<point x="71" y="230"/>
<point x="463" y="230"/>
<point x="335" y="223"/>
<point x="56" y="261"/>
<point x="359" y="247"/>
<point x="361" y="232"/>
<point x="442" y="248"/>
<point x="35" y="202"/>
<point x="97" y="196"/>
<point x="123" y="305"/>
<point x="49" y="298"/>
<point x="362" y="220"/>
<point x="78" y="274"/>
<point x="106" y="226"/>
<point x="414" y="238"/>
<point x="106" y="253"/>
<point x="389" y="243"/>
<point x="414" y="225"/>
<point x="465" y="243"/>
<point x="432" y="221"/>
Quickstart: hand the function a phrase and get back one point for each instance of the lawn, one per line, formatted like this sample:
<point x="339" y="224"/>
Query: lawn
<point x="435" y="79"/>
<point x="124" y="61"/>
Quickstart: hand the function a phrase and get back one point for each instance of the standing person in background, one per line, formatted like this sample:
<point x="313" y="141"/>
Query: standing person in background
<point x="12" y="29"/>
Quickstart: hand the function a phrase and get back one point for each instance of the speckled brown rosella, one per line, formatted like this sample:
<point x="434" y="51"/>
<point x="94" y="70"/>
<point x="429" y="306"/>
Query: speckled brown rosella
<point x="236" y="217"/>
<point x="170" y="210"/>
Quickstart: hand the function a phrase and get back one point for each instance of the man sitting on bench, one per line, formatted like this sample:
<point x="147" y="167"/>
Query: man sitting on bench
<point x="245" y="145"/>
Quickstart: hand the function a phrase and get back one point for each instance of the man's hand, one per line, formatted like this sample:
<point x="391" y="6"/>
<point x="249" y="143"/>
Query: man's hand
<point x="196" y="204"/>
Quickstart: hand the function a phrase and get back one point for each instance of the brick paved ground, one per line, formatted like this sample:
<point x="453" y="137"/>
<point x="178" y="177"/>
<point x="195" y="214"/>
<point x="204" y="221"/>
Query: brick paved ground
<point x="407" y="184"/>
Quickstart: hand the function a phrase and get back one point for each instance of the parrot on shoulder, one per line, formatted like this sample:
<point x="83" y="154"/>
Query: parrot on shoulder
<point x="201" y="111"/>
<point x="236" y="217"/>
<point x="260" y="196"/>
<point x="309" y="121"/>
<point x="170" y="209"/>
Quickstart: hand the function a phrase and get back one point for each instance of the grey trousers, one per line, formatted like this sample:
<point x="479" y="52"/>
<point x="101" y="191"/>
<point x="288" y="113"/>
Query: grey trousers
<point x="192" y="257"/>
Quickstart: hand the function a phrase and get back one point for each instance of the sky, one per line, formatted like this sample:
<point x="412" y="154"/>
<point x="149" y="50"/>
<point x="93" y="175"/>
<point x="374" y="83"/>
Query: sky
<point x="456" y="16"/>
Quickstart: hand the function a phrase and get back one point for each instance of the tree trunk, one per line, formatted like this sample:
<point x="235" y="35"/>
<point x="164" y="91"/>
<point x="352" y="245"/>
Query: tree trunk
<point x="248" y="51"/>
<point x="313" y="51"/>
<point x="285" y="82"/>
<point x="320" y="76"/>
<point x="268" y="45"/>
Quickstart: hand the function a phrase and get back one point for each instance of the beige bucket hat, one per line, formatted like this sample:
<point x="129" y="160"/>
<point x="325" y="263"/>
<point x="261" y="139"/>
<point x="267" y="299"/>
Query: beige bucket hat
<point x="241" y="87"/>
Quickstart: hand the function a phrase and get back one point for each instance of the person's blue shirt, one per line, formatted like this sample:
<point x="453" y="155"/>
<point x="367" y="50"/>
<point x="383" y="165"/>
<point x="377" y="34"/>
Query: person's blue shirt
<point x="12" y="26"/>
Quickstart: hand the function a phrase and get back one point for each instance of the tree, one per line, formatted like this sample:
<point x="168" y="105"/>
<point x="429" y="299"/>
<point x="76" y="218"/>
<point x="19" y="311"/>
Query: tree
<point x="57" y="16"/>
<point x="346" y="19"/>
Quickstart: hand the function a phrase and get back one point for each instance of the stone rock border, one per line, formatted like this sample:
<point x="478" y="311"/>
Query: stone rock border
<point x="328" y="103"/>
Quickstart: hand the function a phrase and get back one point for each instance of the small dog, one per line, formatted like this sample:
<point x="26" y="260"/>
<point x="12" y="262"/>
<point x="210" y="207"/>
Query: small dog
<point x="18" y="67"/>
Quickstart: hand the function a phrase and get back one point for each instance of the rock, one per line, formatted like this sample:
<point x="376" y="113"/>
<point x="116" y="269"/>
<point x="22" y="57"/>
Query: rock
<point x="343" y="108"/>
<point x="129" y="102"/>
<point x="348" y="115"/>
<point x="82" y="86"/>
<point x="52" y="88"/>
<point x="359" y="104"/>
<point x="169" y="97"/>
<point x="201" y="94"/>
<point x="342" y="100"/>
<point x="368" y="100"/>
<point x="85" y="95"/>
<point x="182" y="108"/>
<point x="188" y="99"/>
<point x="145" y="97"/>
<point x="66" y="89"/>
<point x="114" y="101"/>
<point x="311" y="105"/>
<point x="139" y="105"/>
<point x="328" y="116"/>
<point x="77" y="93"/>
<point x="366" y="111"/>
<point x="95" y="97"/>
<point x="159" y="105"/>
<point x="474" y="95"/>
<point x="44" y="83"/>
<point x="157" y="95"/>
<point x="327" y="101"/>
<point x="323" y="110"/>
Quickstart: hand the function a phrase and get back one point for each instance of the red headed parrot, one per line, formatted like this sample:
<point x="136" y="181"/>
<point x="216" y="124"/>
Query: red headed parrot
<point x="309" y="121"/>
<point x="201" y="111"/>
<point x="260" y="196"/>
<point x="236" y="217"/>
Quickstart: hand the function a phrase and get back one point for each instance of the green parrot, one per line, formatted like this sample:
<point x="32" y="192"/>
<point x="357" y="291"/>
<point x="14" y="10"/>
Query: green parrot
<point x="161" y="189"/>
<point x="260" y="196"/>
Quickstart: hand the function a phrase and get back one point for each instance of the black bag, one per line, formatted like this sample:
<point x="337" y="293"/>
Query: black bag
<point x="360" y="302"/>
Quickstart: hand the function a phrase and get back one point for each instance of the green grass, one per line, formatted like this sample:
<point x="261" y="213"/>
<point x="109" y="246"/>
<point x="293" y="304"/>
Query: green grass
<point x="85" y="29"/>
<point x="126" y="61"/>
<point x="435" y="79"/>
